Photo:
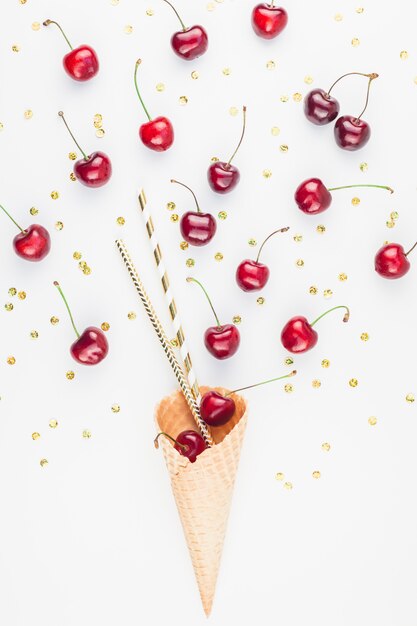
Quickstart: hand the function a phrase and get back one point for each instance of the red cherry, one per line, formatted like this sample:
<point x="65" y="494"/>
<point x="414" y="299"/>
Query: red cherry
<point x="215" y="409"/>
<point x="268" y="21"/>
<point x="94" y="170"/>
<point x="391" y="261"/>
<point x="197" y="228"/>
<point x="253" y="275"/>
<point x="91" y="346"/>
<point x="81" y="63"/>
<point x="188" y="43"/>
<point x="222" y="341"/>
<point x="158" y="133"/>
<point x="223" y="177"/>
<point x="32" y="243"/>
<point x="320" y="108"/>
<point x="188" y="443"/>
<point x="298" y="335"/>
<point x="351" y="133"/>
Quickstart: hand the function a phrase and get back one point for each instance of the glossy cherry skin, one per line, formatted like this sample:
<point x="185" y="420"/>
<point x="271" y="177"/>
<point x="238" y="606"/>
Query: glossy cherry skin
<point x="252" y="275"/>
<point x="198" y="228"/>
<point x="190" y="43"/>
<point x="351" y="133"/>
<point x="268" y="21"/>
<point x="298" y="335"/>
<point x="222" y="341"/>
<point x="391" y="261"/>
<point x="312" y="196"/>
<point x="91" y="347"/>
<point x="33" y="244"/>
<point x="320" y="108"/>
<point x="95" y="171"/>
<point x="222" y="177"/>
<point x="81" y="63"/>
<point x="194" y="443"/>
<point x="158" y="134"/>
<point x="215" y="409"/>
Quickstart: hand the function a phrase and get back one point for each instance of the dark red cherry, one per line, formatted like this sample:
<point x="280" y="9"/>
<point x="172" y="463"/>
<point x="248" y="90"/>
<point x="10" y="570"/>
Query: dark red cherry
<point x="391" y="261"/>
<point x="222" y="341"/>
<point x="252" y="275"/>
<point x="157" y="134"/>
<point x="312" y="196"/>
<point x="33" y="243"/>
<point x="197" y="228"/>
<point x="95" y="170"/>
<point x="351" y="133"/>
<point x="188" y="43"/>
<point x="268" y="21"/>
<point x="188" y="443"/>
<point x="298" y="335"/>
<point x="91" y="347"/>
<point x="223" y="177"/>
<point x="215" y="409"/>
<point x="320" y="108"/>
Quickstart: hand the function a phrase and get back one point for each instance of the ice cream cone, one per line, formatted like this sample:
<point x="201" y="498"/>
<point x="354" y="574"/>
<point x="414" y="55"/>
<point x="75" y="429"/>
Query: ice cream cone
<point x="203" y="490"/>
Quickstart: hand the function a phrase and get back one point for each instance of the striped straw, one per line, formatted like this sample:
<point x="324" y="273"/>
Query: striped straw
<point x="172" y="307"/>
<point x="166" y="344"/>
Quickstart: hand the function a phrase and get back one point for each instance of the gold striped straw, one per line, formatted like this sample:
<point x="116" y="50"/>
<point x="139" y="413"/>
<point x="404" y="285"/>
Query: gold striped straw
<point x="166" y="344"/>
<point x="172" y="307"/>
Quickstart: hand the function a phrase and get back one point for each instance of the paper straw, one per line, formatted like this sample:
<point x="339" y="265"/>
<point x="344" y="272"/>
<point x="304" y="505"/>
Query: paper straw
<point x="168" y="349"/>
<point x="172" y="307"/>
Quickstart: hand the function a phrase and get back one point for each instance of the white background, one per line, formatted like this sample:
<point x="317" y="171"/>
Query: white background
<point x="94" y="537"/>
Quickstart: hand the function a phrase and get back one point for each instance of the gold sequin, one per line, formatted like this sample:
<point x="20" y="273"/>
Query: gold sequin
<point x="236" y="319"/>
<point x="54" y="320"/>
<point x="297" y="97"/>
<point x="190" y="263"/>
<point x="308" y="80"/>
<point x="226" y="71"/>
<point x="356" y="201"/>
<point x="316" y="384"/>
<point x="43" y="462"/>
<point x="325" y="446"/>
<point x="288" y="486"/>
<point x="260" y="300"/>
<point x="275" y="131"/>
<point x="184" y="245"/>
<point x="289" y="361"/>
<point x="218" y="256"/>
<point x="12" y="291"/>
<point x="72" y="177"/>
<point x="11" y="360"/>
<point x="343" y="277"/>
<point x="160" y="87"/>
<point x="16" y="48"/>
<point x="33" y="211"/>
<point x="174" y="343"/>
<point x="35" y="436"/>
<point x="59" y="225"/>
<point x="299" y="263"/>
<point x="121" y="221"/>
<point x="279" y="476"/>
<point x="321" y="229"/>
<point x="284" y="98"/>
<point x="338" y="17"/>
<point x="22" y="295"/>
<point x="233" y="111"/>
<point x="53" y="423"/>
<point x="170" y="206"/>
<point x="298" y="238"/>
<point x="353" y="382"/>
<point x="174" y="217"/>
<point x="115" y="408"/>
<point x="222" y="215"/>
<point x="128" y="29"/>
<point x="183" y="100"/>
<point x="364" y="337"/>
<point x="100" y="132"/>
<point x="252" y="242"/>
<point x="283" y="147"/>
<point x="149" y="12"/>
<point x="70" y="375"/>
<point x="355" y="42"/>
<point x="54" y="195"/>
<point x="36" y="26"/>
<point x="390" y="223"/>
<point x="325" y="363"/>
<point x="34" y="334"/>
<point x="77" y="256"/>
<point x="267" y="173"/>
<point x="313" y="290"/>
<point x="360" y="10"/>
<point x="105" y="326"/>
<point x="363" y="167"/>
<point x="270" y="65"/>
<point x="316" y="474"/>
<point x="372" y="421"/>
<point x="327" y="293"/>
<point x="403" y="55"/>
<point x="28" y="114"/>
<point x="9" y="306"/>
<point x="131" y="315"/>
<point x="394" y="215"/>
<point x="288" y="388"/>
<point x="195" y="75"/>
<point x="86" y="434"/>
<point x="410" y="398"/>
<point x="72" y="156"/>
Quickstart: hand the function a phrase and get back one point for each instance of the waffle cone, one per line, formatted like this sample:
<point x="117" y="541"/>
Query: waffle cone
<point x="203" y="490"/>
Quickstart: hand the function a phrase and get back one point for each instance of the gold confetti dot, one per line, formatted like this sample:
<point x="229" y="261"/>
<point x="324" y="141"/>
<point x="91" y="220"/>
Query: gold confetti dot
<point x="36" y="26"/>
<point x="115" y="408"/>
<point x="267" y="173"/>
<point x="338" y="17"/>
<point x="252" y="242"/>
<point x="22" y="295"/>
<point x="325" y="363"/>
<point x="105" y="326"/>
<point x="87" y="270"/>
<point x="82" y="265"/>
<point x="222" y="215"/>
<point x="288" y="388"/>
<point x="160" y="87"/>
<point x="360" y="10"/>
<point x="171" y="206"/>
<point x="279" y="476"/>
<point x="77" y="256"/>
<point x="43" y="462"/>
<point x="236" y="319"/>
<point x="394" y="215"/>
<point x="149" y="12"/>
<point x="288" y="486"/>
<point x="403" y="55"/>
<point x="54" y="195"/>
<point x="355" y="42"/>
<point x="316" y="384"/>
<point x="372" y="421"/>
<point x="233" y="111"/>
<point x="226" y="71"/>
<point x="53" y="424"/>
<point x="353" y="382"/>
<point x="316" y="475"/>
<point x="131" y="315"/>
<point x="343" y="277"/>
<point x="313" y="290"/>
<point x="190" y="263"/>
<point x="33" y="211"/>
<point x="72" y="177"/>
<point x="59" y="225"/>
<point x="308" y="80"/>
<point x="86" y="434"/>
<point x="72" y="156"/>
<point x="174" y="217"/>
<point x="283" y="147"/>
<point x="11" y="360"/>
<point x="16" y="48"/>
<point x="260" y="300"/>
<point x="363" y="167"/>
<point x="390" y="223"/>
<point x="270" y="65"/>
<point x="121" y="221"/>
<point x="12" y="291"/>
<point x="100" y="132"/>
<point x="70" y="375"/>
<point x="321" y="229"/>
<point x="184" y="245"/>
<point x="22" y="1"/>
<point x="410" y="398"/>
<point x="298" y="238"/>
<point x="28" y="114"/>
<point x="297" y="97"/>
<point x="356" y="201"/>
<point x="35" y="436"/>
<point x="299" y="263"/>
<point x="54" y="320"/>
<point x="325" y="446"/>
<point x="174" y="343"/>
<point x="275" y="131"/>
<point x="9" y="306"/>
<point x="218" y="256"/>
<point x="114" y="2"/>
<point x="214" y="159"/>
<point x="34" y="334"/>
<point x="289" y="361"/>
<point x="364" y="337"/>
<point x="195" y="75"/>
<point x="327" y="293"/>
<point x="211" y="6"/>
<point x="183" y="100"/>
<point x="284" y="98"/>
<point x="1" y="126"/>
<point x="128" y="29"/>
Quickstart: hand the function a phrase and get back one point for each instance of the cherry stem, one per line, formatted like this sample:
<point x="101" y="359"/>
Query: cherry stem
<point x="177" y="14"/>
<point x="280" y="230"/>
<point x="264" y="382"/>
<point x="177" y="443"/>
<point x="411" y="249"/>
<point x="370" y="76"/>
<point x="58" y="286"/>
<point x="345" y="318"/>
<point x="13" y="220"/>
<point x="241" y="138"/>
<point x="61" y="114"/>
<point x="47" y="22"/>
<point x="194" y="280"/>
<point x="190" y="190"/>
<point x="354" y="187"/>
<point x="138" y="62"/>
